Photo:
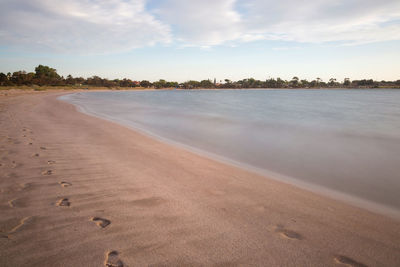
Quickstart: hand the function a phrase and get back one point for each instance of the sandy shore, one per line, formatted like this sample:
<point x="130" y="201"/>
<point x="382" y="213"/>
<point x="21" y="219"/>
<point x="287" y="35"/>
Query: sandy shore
<point x="81" y="191"/>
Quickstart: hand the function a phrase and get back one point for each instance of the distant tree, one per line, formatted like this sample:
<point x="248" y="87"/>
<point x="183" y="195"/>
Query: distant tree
<point x="79" y="81"/>
<point x="364" y="82"/>
<point x="323" y="84"/>
<point x="346" y="82"/>
<point x="45" y="75"/>
<point x="280" y="83"/>
<point x="251" y="83"/>
<point x="304" y="83"/>
<point x="171" y="84"/>
<point x="313" y="84"/>
<point x="22" y="78"/>
<point x="294" y="82"/>
<point x="332" y="81"/>
<point x="228" y="84"/>
<point x="160" y="84"/>
<point x="206" y="84"/>
<point x="117" y="82"/>
<point x="3" y="79"/>
<point x="125" y="83"/>
<point x="108" y="83"/>
<point x="45" y="71"/>
<point x="191" y="84"/>
<point x="370" y="82"/>
<point x="271" y="83"/>
<point x="95" y="81"/>
<point x="145" y="83"/>
<point x="70" y="80"/>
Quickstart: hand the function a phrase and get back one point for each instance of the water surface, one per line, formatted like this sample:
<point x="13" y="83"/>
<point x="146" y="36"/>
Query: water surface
<point x="342" y="141"/>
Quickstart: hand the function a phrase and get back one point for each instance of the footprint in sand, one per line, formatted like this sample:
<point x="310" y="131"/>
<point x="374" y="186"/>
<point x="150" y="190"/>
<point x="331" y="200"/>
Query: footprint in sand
<point x="42" y="148"/>
<point x="112" y="260"/>
<point x="348" y="261"/>
<point x="35" y="155"/>
<point x="48" y="172"/>
<point x="12" y="203"/>
<point x="19" y="203"/>
<point x="288" y="233"/>
<point x="103" y="223"/>
<point x="50" y="162"/>
<point x="25" y="186"/>
<point x="64" y="202"/>
<point x="23" y="222"/>
<point x="65" y="184"/>
<point x="13" y="164"/>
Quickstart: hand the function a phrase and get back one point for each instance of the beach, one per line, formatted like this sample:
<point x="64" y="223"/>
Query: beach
<point x="81" y="191"/>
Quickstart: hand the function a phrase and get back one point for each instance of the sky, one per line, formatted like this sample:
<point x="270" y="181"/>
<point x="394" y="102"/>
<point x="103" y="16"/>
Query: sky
<point x="181" y="40"/>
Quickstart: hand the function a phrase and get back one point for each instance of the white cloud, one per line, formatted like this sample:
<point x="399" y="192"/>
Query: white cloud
<point x="214" y="22"/>
<point x="119" y="25"/>
<point x="350" y="22"/>
<point x="202" y="22"/>
<point x="89" y="26"/>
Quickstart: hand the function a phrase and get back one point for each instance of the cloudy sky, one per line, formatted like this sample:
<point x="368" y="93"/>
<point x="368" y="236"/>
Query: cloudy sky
<point x="200" y="39"/>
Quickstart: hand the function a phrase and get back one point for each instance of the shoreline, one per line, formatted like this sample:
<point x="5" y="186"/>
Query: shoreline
<point x="25" y="89"/>
<point x="164" y="205"/>
<point x="317" y="189"/>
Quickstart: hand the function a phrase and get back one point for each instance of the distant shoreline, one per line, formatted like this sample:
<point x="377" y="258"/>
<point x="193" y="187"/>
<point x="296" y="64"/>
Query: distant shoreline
<point x="94" y="88"/>
<point x="44" y="76"/>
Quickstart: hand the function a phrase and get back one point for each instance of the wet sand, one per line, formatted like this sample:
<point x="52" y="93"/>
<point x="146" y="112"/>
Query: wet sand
<point x="80" y="191"/>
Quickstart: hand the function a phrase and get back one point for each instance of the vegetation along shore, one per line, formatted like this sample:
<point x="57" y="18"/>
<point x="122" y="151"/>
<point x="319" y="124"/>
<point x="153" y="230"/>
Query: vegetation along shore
<point x="47" y="76"/>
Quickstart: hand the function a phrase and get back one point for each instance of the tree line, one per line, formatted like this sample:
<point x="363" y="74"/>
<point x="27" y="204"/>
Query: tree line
<point x="47" y="76"/>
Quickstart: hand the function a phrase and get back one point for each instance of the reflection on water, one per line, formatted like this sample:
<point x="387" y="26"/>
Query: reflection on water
<point x="344" y="140"/>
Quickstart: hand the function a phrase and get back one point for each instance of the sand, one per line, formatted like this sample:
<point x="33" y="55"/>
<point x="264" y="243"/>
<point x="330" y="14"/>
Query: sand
<point x="81" y="191"/>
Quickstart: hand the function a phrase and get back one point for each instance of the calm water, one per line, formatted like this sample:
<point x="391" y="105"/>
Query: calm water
<point x="346" y="142"/>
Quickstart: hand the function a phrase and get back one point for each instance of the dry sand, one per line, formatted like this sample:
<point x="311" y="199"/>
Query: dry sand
<point x="80" y="191"/>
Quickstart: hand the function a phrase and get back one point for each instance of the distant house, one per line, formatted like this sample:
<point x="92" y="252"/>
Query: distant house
<point x="136" y="83"/>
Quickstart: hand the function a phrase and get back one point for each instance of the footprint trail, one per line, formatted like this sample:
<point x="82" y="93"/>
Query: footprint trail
<point x="64" y="202"/>
<point x="112" y="259"/>
<point x="348" y="261"/>
<point x="101" y="222"/>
